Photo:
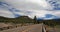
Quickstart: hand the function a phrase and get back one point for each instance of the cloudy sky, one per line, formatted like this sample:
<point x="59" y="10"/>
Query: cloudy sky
<point x="43" y="9"/>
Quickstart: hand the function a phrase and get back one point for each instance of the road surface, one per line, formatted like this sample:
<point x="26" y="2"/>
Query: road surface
<point x="31" y="28"/>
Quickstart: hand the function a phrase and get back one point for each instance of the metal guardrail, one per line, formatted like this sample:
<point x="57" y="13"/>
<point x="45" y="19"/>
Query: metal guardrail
<point x="43" y="28"/>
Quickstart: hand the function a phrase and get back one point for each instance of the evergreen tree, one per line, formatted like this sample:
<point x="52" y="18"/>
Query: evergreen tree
<point x="35" y="20"/>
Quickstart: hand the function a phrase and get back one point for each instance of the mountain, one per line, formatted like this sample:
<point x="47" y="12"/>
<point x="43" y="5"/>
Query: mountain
<point x="48" y="18"/>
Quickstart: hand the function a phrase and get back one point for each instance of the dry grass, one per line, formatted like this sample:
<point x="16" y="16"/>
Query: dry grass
<point x="31" y="28"/>
<point x="4" y="25"/>
<point x="57" y="28"/>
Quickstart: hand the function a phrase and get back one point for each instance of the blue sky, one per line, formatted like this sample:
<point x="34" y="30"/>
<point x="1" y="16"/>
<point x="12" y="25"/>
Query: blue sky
<point x="44" y="9"/>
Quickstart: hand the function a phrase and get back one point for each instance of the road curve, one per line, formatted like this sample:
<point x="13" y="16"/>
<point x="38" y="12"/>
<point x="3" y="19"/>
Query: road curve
<point x="31" y="28"/>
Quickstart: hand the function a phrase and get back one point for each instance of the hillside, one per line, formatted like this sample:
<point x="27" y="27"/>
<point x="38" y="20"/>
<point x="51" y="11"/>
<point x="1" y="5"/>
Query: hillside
<point x="26" y="19"/>
<point x="21" y="19"/>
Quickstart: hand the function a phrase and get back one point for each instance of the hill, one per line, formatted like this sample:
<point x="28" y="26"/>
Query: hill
<point x="26" y="19"/>
<point x="21" y="19"/>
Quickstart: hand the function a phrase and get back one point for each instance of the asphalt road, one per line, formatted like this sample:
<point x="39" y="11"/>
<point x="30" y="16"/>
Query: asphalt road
<point x="31" y="28"/>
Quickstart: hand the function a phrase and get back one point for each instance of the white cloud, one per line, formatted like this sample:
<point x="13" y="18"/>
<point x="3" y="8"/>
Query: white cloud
<point x="29" y="4"/>
<point x="42" y="13"/>
<point x="6" y="13"/>
<point x="30" y="8"/>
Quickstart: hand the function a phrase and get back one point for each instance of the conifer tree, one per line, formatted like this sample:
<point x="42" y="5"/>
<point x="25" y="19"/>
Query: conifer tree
<point x="35" y="20"/>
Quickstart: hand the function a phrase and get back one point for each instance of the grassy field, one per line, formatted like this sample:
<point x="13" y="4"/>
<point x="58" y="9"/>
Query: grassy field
<point x="57" y="27"/>
<point x="53" y="29"/>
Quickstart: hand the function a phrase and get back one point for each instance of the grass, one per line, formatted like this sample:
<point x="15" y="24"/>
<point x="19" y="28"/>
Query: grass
<point x="57" y="28"/>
